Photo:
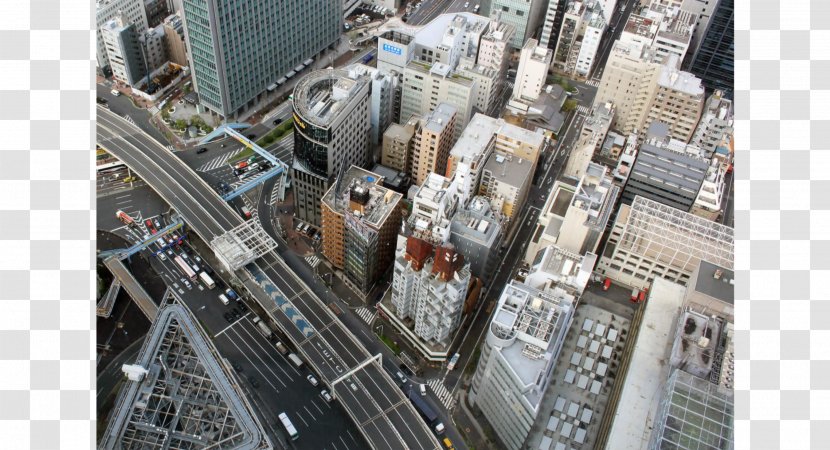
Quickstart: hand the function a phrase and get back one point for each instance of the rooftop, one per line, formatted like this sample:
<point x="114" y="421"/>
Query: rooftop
<point x="715" y="281"/>
<point x="437" y="120"/>
<point x="358" y="187"/>
<point x="432" y="34"/>
<point x="322" y="96"/>
<point x="648" y="368"/>
<point x="677" y="80"/>
<point x="555" y="266"/>
<point x="478" y="134"/>
<point x="509" y="170"/>
<point x="477" y="221"/>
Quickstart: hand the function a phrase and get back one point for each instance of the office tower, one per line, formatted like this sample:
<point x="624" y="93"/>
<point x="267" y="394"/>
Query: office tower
<point x="398" y="141"/>
<point x="382" y="100"/>
<point x="429" y="289"/>
<point x="426" y="85"/>
<point x="650" y="239"/>
<point x="126" y="59"/>
<point x="553" y="23"/>
<point x="360" y="223"/>
<point x="518" y="355"/>
<point x="239" y="48"/>
<point x="667" y="171"/>
<point x="157" y="10"/>
<point x="534" y="63"/>
<point x="476" y="231"/>
<point x="524" y="15"/>
<point x="432" y="142"/>
<point x="331" y="130"/>
<point x="174" y="40"/>
<point x="714" y="60"/>
<point x="575" y="216"/>
<point x="133" y="12"/>
<point x="716" y="121"/>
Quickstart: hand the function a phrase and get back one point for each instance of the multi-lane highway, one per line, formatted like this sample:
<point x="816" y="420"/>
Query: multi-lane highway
<point x="371" y="398"/>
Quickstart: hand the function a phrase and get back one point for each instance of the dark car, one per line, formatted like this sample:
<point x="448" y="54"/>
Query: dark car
<point x="243" y="307"/>
<point x="228" y="317"/>
<point x="202" y="150"/>
<point x="254" y="382"/>
<point x="277" y="122"/>
<point x="236" y="366"/>
<point x="252" y="136"/>
<point x="236" y="313"/>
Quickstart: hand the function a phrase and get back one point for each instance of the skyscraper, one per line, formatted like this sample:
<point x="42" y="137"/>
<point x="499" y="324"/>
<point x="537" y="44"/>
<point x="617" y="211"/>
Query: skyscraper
<point x="240" y="47"/>
<point x="713" y="61"/>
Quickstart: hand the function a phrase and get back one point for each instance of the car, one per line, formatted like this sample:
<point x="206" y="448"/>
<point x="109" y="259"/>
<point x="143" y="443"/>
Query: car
<point x="115" y="92"/>
<point x="162" y="257"/>
<point x="198" y="260"/>
<point x="228" y="317"/>
<point x="187" y="284"/>
<point x="236" y="314"/>
<point x="326" y="396"/>
<point x="277" y="121"/>
<point x="236" y="366"/>
<point x="254" y="382"/>
<point x="312" y="380"/>
<point x="184" y="254"/>
<point x="466" y="4"/>
<point x="251" y="136"/>
<point x="423" y="389"/>
<point x="242" y="306"/>
<point x="157" y="223"/>
<point x="202" y="150"/>
<point x="400" y="377"/>
<point x="170" y="253"/>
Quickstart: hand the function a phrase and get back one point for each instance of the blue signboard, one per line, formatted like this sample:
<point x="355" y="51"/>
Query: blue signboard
<point x="392" y="49"/>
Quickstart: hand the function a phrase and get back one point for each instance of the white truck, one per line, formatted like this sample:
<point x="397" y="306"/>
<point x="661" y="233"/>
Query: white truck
<point x="263" y="327"/>
<point x="207" y="280"/>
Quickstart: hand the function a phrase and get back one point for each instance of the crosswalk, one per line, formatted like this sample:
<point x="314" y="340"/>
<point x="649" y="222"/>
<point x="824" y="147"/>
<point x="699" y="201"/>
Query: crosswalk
<point x="313" y="260"/>
<point x="153" y="110"/>
<point x="129" y="119"/>
<point x="366" y="314"/>
<point x="593" y="82"/>
<point x="251" y="207"/>
<point x="583" y="109"/>
<point x="441" y="392"/>
<point x="275" y="193"/>
<point x="171" y="148"/>
<point x="216" y="162"/>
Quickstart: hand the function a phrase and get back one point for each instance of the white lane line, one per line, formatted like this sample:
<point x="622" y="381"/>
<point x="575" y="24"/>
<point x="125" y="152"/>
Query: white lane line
<point x="231" y="325"/>
<point x="309" y="413"/>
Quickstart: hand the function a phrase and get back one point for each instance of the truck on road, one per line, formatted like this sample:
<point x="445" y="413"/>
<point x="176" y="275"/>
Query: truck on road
<point x="426" y="411"/>
<point x="263" y="327"/>
<point x="207" y="280"/>
<point x="296" y="360"/>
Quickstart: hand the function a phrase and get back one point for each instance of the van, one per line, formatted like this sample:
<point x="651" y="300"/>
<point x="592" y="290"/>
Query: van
<point x="423" y="389"/>
<point x="115" y="92"/>
<point x="401" y="377"/>
<point x="298" y="363"/>
<point x="305" y="228"/>
<point x="195" y="268"/>
<point x="223" y="299"/>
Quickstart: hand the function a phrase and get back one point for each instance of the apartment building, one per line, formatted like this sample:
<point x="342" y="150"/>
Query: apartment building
<point x="131" y="11"/>
<point x="432" y="142"/>
<point x="506" y="181"/>
<point x="534" y="63"/>
<point x="583" y="24"/>
<point x="591" y="137"/>
<point x="123" y="47"/>
<point x="476" y="231"/>
<point x="398" y="142"/>
<point x="426" y="85"/>
<point x="716" y="121"/>
<point x="709" y="201"/>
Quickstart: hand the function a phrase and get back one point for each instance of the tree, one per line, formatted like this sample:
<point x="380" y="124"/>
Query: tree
<point x="180" y="124"/>
<point x="569" y="106"/>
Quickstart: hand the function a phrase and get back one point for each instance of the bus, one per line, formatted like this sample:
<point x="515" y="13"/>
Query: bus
<point x="185" y="268"/>
<point x="453" y="361"/>
<point x="289" y="427"/>
<point x="207" y="280"/>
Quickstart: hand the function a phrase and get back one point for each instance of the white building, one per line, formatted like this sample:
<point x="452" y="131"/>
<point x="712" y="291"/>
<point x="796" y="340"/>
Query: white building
<point x="583" y="24"/>
<point x="106" y="10"/>
<point x="708" y="203"/>
<point x="524" y="15"/>
<point x="426" y="85"/>
<point x="433" y="205"/>
<point x="626" y="160"/>
<point x="121" y="41"/>
<point x="381" y="99"/>
<point x="554" y="266"/>
<point x="594" y="28"/>
<point x="591" y="137"/>
<point x="574" y="217"/>
<point x="518" y="355"/>
<point x="506" y="180"/>
<point x="534" y="63"/>
<point x="651" y="240"/>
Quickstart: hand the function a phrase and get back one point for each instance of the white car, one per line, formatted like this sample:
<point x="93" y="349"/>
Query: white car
<point x="312" y="380"/>
<point x="326" y="395"/>
<point x="162" y="257"/>
<point x="187" y="284"/>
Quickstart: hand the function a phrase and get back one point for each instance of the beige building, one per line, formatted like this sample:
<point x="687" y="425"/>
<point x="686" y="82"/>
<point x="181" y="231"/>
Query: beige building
<point x="360" y="221"/>
<point x="432" y="142"/>
<point x="534" y="63"/>
<point x="644" y="91"/>
<point x="397" y="144"/>
<point x="426" y="85"/>
<point x="174" y="39"/>
<point x="506" y="181"/>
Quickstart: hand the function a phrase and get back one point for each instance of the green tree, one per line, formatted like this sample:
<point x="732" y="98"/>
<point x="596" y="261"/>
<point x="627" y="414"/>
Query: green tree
<point x="180" y="124"/>
<point x="569" y="105"/>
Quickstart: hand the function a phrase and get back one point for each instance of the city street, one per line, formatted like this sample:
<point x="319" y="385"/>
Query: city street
<point x="618" y="22"/>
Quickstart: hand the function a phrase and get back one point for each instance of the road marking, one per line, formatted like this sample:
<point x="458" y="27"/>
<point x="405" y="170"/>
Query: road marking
<point x="314" y="404"/>
<point x="366" y="314"/>
<point x="301" y="418"/>
<point x="309" y="413"/>
<point x="441" y="391"/>
<point x="232" y="324"/>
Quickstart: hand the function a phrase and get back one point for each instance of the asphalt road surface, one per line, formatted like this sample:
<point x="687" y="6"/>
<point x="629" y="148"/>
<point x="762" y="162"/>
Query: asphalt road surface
<point x="372" y="400"/>
<point x="618" y="21"/>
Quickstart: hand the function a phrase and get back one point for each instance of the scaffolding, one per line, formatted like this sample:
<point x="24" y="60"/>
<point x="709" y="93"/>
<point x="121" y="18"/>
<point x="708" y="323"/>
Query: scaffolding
<point x="242" y="244"/>
<point x="178" y="395"/>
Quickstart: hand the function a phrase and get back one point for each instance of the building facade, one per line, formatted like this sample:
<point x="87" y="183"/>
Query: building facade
<point x="506" y="181"/>
<point x="133" y="12"/>
<point x="651" y="240"/>
<point x="123" y="46"/>
<point x="239" y="48"/>
<point x="174" y="40"/>
<point x="476" y="231"/>
<point x="331" y="131"/>
<point x="524" y="15"/>
<point x="432" y="142"/>
<point x="426" y="85"/>
<point x="534" y="63"/>
<point x="398" y="142"/>
<point x="714" y="60"/>
<point x="716" y="121"/>
<point x="518" y="355"/>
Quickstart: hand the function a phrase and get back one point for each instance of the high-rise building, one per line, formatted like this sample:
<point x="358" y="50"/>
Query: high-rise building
<point x="382" y="100"/>
<point x="157" y="10"/>
<point x="575" y="216"/>
<point x="518" y="356"/>
<point x="668" y="29"/>
<point x="534" y="63"/>
<point x="582" y="27"/>
<point x="667" y="171"/>
<point x="174" y="40"/>
<point x="427" y="85"/>
<point x="433" y="205"/>
<point x="476" y="232"/>
<point x="714" y="59"/>
<point x="506" y="181"/>
<point x="650" y="240"/>
<point x="154" y="47"/>
<point x="486" y="87"/>
<point x="360" y="223"/>
<point x="239" y="48"/>
<point x="331" y="130"/>
<point x="429" y="290"/>
<point x="553" y="23"/>
<point x="716" y="121"/>
<point x="398" y="141"/>
<point x="432" y="142"/>
<point x="592" y="135"/>
<point x="492" y="49"/>
<point x="133" y="12"/>
<point x="525" y="16"/>
<point x="677" y="101"/>
<point x="123" y="46"/>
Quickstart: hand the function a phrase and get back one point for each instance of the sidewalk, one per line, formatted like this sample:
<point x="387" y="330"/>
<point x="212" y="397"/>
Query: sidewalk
<point x="467" y="424"/>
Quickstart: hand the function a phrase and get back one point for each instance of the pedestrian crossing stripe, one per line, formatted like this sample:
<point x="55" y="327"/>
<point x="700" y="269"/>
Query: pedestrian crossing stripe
<point x="312" y="260"/>
<point x="441" y="392"/>
<point x="593" y="82"/>
<point x="216" y="162"/>
<point x="583" y="109"/>
<point x="366" y="314"/>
